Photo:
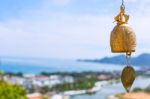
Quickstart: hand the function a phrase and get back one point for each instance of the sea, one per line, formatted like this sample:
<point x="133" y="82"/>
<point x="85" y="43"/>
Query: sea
<point x="36" y="66"/>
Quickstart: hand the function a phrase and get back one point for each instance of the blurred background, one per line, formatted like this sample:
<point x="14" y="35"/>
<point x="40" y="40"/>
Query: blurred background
<point x="59" y="49"/>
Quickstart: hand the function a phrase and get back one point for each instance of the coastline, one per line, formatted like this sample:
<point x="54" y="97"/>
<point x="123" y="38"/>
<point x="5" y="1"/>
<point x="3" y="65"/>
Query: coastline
<point x="110" y="91"/>
<point x="97" y="87"/>
<point x="132" y="95"/>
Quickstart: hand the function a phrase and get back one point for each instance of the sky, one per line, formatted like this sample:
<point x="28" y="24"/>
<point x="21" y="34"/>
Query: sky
<point x="67" y="29"/>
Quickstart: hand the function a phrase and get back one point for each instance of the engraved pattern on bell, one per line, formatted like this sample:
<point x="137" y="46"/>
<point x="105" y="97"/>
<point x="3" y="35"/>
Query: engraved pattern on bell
<point x="123" y="39"/>
<point x="128" y="77"/>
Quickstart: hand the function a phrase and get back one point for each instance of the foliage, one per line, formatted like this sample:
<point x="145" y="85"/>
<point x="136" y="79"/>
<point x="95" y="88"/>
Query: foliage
<point x="147" y="89"/>
<point x="44" y="89"/>
<point x="19" y="74"/>
<point x="1" y="72"/>
<point x="137" y="89"/>
<point x="78" y="85"/>
<point x="82" y="80"/>
<point x="1" y="75"/>
<point x="9" y="91"/>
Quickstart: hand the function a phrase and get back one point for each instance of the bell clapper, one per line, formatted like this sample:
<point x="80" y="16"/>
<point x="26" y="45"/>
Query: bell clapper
<point x="128" y="77"/>
<point x="128" y="74"/>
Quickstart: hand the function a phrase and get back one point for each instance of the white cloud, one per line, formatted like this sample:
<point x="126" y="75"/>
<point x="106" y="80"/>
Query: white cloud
<point x="43" y="33"/>
<point x="55" y="36"/>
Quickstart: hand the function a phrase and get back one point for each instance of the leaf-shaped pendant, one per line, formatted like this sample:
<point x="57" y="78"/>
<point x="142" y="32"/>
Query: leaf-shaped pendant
<point x="128" y="77"/>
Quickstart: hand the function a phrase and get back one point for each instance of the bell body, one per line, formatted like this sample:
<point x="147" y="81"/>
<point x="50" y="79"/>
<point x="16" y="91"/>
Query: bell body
<point x="122" y="39"/>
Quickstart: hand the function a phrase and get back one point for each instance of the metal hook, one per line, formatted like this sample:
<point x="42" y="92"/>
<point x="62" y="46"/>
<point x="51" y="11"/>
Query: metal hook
<point x="128" y="59"/>
<point x="122" y="2"/>
<point x="122" y="5"/>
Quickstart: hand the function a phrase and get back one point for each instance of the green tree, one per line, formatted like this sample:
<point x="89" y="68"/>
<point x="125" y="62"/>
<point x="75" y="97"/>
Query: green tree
<point x="1" y="75"/>
<point x="147" y="89"/>
<point x="9" y="91"/>
<point x="44" y="89"/>
<point x="137" y="89"/>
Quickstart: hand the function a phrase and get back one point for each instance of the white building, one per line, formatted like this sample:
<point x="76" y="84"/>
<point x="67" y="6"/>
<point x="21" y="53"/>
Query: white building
<point x="14" y="79"/>
<point x="51" y="81"/>
<point x="59" y="96"/>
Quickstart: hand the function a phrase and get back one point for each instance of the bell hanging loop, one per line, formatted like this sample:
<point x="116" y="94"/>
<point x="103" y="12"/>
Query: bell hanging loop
<point x="123" y="4"/>
<point x="128" y="59"/>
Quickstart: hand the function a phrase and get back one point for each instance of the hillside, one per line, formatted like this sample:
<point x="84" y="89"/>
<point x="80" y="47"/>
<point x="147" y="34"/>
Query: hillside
<point x="141" y="60"/>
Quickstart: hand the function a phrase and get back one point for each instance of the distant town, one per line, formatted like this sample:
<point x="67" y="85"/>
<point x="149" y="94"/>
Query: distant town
<point x="63" y="85"/>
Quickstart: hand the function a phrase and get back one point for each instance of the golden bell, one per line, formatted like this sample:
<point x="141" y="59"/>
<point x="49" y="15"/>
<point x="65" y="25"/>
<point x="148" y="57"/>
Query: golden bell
<point x="123" y="39"/>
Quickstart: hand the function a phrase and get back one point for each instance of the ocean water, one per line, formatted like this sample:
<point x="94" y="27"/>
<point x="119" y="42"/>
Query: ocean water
<point x="53" y="65"/>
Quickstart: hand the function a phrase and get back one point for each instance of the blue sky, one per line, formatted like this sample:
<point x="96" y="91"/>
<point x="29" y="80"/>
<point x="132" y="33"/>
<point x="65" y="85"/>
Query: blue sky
<point x="69" y="29"/>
